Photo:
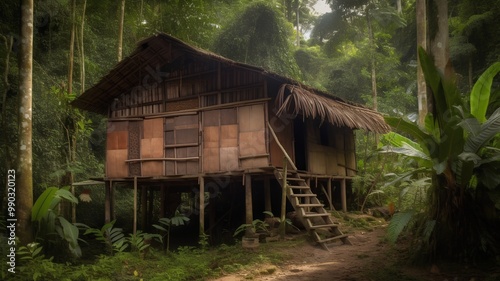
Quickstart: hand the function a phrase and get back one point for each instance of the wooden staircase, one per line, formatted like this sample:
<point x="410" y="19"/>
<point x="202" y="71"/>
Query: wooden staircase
<point x="309" y="209"/>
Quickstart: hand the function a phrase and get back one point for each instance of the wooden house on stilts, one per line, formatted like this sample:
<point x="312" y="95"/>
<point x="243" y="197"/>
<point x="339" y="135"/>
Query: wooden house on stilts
<point x="182" y="120"/>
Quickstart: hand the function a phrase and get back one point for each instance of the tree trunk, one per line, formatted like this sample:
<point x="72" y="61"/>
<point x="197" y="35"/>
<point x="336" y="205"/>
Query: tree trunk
<point x="9" y="41"/>
<point x="82" y="53"/>
<point x="440" y="47"/>
<point x="24" y="176"/>
<point x="120" y="30"/>
<point x="297" y="8"/>
<point x="399" y="7"/>
<point x="372" y="66"/>
<point x="423" y="96"/>
<point x="71" y="48"/>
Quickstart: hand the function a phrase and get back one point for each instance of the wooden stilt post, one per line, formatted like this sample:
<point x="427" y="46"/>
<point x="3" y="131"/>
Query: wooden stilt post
<point x="144" y="206"/>
<point x="107" y="202"/>
<point x="343" y="195"/>
<point x="267" y="195"/>
<point x="283" y="200"/>
<point x="112" y="199"/>
<point x="329" y="189"/>
<point x="201" y="181"/>
<point x="162" y="201"/>
<point x="248" y="204"/>
<point x="134" y="228"/>
<point x="150" y="208"/>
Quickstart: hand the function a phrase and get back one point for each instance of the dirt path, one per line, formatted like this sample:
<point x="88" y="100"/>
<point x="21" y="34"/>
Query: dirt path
<point x="370" y="258"/>
<point x="310" y="262"/>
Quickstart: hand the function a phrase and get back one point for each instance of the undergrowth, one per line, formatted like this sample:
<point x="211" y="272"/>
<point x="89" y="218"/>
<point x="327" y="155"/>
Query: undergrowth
<point x="187" y="263"/>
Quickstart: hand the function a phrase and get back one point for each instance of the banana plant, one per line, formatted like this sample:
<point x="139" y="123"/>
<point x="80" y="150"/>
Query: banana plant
<point x="452" y="146"/>
<point x="49" y="221"/>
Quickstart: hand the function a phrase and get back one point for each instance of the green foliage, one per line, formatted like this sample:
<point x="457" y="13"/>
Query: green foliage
<point x="398" y="222"/>
<point x="452" y="147"/>
<point x="260" y="36"/>
<point x="165" y="225"/>
<point x="256" y="226"/>
<point x="111" y="236"/>
<point x="141" y="241"/>
<point x="49" y="222"/>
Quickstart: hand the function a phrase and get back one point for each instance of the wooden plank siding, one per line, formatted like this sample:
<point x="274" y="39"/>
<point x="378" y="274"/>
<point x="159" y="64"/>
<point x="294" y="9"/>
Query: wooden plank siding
<point x="252" y="136"/>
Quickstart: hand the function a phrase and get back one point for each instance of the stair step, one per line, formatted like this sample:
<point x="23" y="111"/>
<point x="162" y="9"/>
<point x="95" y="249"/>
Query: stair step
<point x="309" y="205"/>
<point x="332" y="238"/>
<point x="295" y="179"/>
<point x="316" y="215"/>
<point x="303" y="195"/>
<point x="299" y="186"/>
<point x="323" y="226"/>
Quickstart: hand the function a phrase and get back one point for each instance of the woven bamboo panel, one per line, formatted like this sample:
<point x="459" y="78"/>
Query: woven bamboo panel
<point x="134" y="147"/>
<point x="317" y="158"/>
<point x="116" y="166"/>
<point x="182" y="105"/>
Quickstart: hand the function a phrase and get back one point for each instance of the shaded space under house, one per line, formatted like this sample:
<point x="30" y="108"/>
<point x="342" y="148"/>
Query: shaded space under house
<point x="190" y="130"/>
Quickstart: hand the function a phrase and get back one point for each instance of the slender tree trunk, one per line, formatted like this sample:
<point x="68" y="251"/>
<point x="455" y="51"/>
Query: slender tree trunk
<point x="297" y="11"/>
<point x="24" y="175"/>
<point x="399" y="7"/>
<point x="120" y="30"/>
<point x="9" y="41"/>
<point x="373" y="69"/>
<point x="71" y="48"/>
<point x="440" y="46"/>
<point x="82" y="52"/>
<point x="423" y="96"/>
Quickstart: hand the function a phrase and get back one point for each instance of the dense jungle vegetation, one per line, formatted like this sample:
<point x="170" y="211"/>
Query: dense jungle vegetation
<point x="441" y="176"/>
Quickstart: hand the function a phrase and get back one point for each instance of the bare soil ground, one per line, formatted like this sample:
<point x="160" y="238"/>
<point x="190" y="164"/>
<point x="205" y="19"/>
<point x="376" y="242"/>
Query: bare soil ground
<point x="369" y="258"/>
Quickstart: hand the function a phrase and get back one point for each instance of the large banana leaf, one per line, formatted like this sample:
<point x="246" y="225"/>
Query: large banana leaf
<point x="43" y="204"/>
<point x="480" y="95"/>
<point x="488" y="130"/>
<point x="413" y="130"/>
<point x="70" y="233"/>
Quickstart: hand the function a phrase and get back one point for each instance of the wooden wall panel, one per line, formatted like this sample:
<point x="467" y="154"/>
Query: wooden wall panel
<point x="252" y="136"/>
<point x="350" y="152"/>
<point x="284" y="131"/>
<point x="116" y="166"/>
<point x="229" y="136"/>
<point x="153" y="128"/>
<point x="117" y="149"/>
<point x="252" y="143"/>
<point x="229" y="158"/>
<point x="339" y="144"/>
<point x="117" y="140"/>
<point x="211" y="159"/>
<point x="251" y="118"/>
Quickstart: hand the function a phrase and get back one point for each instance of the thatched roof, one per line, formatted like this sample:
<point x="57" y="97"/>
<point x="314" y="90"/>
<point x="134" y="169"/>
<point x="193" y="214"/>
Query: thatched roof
<point x="293" y="97"/>
<point x="296" y="99"/>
